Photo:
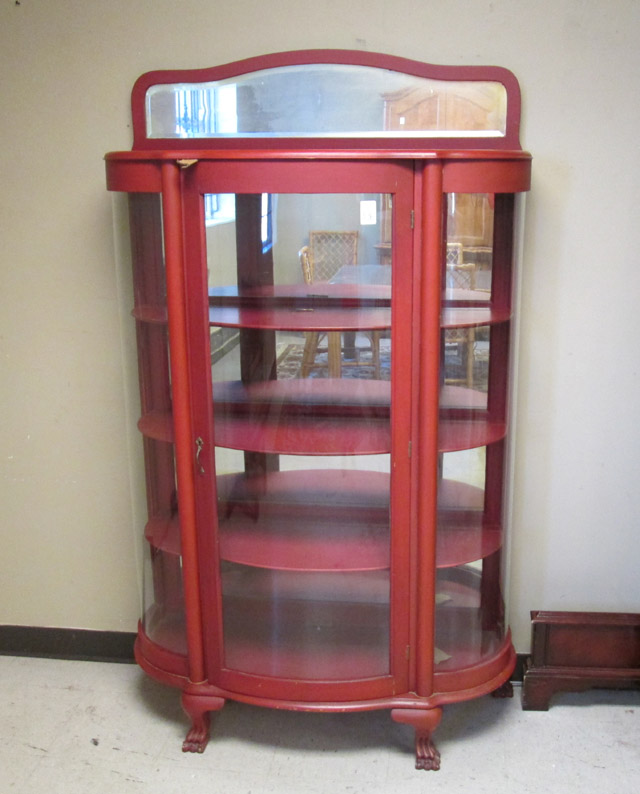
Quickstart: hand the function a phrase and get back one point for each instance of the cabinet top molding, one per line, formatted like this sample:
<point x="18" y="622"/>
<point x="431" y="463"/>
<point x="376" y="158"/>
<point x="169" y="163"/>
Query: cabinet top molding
<point x="327" y="100"/>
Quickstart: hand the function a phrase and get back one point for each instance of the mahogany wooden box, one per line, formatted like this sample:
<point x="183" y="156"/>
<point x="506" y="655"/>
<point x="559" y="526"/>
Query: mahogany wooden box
<point x="575" y="651"/>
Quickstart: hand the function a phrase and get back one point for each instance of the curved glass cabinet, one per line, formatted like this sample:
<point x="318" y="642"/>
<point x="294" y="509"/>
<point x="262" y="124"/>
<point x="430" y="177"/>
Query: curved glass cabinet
<point x="323" y="307"/>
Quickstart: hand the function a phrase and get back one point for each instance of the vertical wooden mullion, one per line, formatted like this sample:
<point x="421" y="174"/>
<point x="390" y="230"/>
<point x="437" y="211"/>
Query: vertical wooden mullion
<point x="430" y="299"/>
<point x="183" y="436"/>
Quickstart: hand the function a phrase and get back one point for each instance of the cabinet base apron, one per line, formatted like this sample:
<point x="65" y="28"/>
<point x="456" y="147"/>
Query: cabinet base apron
<point x="199" y="699"/>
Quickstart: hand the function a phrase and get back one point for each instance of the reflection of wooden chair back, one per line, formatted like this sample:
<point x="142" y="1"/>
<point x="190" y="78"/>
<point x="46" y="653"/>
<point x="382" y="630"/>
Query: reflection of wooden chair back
<point x="460" y="275"/>
<point x="326" y="253"/>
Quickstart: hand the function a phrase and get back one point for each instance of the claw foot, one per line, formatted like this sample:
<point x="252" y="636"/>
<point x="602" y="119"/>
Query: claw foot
<point x="198" y="737"/>
<point x="424" y="721"/>
<point x="197" y="707"/>
<point x="427" y="755"/>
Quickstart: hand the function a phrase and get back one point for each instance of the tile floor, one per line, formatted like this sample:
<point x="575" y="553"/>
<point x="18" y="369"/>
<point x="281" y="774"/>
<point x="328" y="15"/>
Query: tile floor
<point x="78" y="727"/>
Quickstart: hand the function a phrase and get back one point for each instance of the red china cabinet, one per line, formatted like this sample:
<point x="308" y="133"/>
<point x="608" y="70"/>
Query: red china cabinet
<point x="323" y="249"/>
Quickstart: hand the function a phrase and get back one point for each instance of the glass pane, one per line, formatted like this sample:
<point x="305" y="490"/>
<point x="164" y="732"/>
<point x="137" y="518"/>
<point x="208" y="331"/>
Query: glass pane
<point x="469" y="251"/>
<point x="469" y="614"/>
<point x="465" y="367"/>
<point x="326" y="99"/>
<point x="469" y="601"/>
<point x="163" y="618"/>
<point x="300" y="314"/>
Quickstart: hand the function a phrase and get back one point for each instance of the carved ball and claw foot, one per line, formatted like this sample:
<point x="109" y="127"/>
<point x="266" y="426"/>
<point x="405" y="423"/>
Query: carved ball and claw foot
<point x="424" y="722"/>
<point x="197" y="708"/>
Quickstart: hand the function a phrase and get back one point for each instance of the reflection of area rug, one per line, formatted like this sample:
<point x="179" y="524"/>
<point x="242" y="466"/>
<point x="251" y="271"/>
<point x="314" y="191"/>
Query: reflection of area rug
<point x="290" y="361"/>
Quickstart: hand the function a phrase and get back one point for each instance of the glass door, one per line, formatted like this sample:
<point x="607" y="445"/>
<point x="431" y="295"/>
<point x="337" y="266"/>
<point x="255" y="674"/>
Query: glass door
<point x="305" y="426"/>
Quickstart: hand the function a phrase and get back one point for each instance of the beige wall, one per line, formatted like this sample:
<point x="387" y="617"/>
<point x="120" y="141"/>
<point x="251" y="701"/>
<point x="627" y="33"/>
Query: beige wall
<point x="68" y="505"/>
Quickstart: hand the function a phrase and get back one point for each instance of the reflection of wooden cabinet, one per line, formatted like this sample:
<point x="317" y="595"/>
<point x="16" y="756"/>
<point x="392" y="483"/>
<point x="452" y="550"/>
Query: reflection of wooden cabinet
<point x="384" y="245"/>
<point x="465" y="107"/>
<point x="322" y="543"/>
<point x="470" y="220"/>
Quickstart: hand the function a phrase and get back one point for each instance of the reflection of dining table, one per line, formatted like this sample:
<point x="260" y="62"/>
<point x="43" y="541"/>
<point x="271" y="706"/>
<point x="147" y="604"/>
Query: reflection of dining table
<point x="357" y="297"/>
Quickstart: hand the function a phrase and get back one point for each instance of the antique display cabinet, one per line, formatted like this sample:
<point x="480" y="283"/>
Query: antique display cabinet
<point x="323" y="262"/>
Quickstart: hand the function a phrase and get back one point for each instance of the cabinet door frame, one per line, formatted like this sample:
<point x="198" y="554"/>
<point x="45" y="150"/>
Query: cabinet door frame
<point x="304" y="176"/>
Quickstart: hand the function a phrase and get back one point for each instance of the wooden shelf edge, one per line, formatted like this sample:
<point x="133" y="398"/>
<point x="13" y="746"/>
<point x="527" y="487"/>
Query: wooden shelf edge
<point x="157" y="315"/>
<point x="157" y="425"/>
<point x="163" y="533"/>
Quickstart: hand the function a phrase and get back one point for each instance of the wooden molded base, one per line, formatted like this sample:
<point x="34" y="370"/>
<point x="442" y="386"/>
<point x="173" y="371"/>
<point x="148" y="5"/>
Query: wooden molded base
<point x="576" y="651"/>
<point x="423" y="714"/>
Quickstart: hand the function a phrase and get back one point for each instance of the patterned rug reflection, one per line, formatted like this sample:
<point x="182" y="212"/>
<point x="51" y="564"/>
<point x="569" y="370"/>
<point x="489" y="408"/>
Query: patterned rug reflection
<point x="290" y="361"/>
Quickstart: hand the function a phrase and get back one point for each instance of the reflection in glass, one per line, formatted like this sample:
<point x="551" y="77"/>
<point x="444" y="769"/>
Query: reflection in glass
<point x="469" y="250"/>
<point x="326" y="99"/>
<point x="469" y="601"/>
<point x="465" y="367"/>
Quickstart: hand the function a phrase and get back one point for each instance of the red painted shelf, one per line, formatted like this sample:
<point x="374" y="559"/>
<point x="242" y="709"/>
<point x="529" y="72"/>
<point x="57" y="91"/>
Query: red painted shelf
<point x="312" y="416"/>
<point x="300" y="435"/>
<point x="455" y="435"/>
<point x="297" y="528"/>
<point x="163" y="533"/>
<point x="311" y="396"/>
<point x="472" y="316"/>
<point x="321" y="318"/>
<point x="306" y="520"/>
<point x="151" y="314"/>
<point x="463" y="533"/>
<point x="326" y="417"/>
<point x="157" y="425"/>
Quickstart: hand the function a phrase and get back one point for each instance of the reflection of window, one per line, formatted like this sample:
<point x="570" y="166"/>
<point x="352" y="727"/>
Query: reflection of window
<point x="266" y="222"/>
<point x="219" y="208"/>
<point x="203" y="113"/>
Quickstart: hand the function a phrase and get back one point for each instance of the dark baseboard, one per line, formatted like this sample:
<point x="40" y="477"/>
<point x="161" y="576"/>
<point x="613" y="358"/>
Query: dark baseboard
<point x="76" y="644"/>
<point x="98" y="646"/>
<point x="518" y="674"/>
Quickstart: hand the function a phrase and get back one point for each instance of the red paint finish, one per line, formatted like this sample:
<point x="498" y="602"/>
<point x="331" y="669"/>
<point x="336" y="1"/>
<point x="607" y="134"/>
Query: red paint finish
<point x="310" y="541"/>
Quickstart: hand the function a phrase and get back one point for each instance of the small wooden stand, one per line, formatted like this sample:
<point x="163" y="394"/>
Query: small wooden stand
<point x="575" y="651"/>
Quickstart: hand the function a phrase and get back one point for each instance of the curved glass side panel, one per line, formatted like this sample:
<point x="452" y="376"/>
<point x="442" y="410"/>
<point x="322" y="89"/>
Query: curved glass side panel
<point x="327" y="100"/>
<point x="163" y="618"/>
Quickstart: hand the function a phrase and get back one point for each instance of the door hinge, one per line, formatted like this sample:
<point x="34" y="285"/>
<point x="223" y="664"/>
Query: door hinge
<point x="186" y="163"/>
<point x="407" y="652"/>
<point x="409" y="449"/>
<point x="413" y="219"/>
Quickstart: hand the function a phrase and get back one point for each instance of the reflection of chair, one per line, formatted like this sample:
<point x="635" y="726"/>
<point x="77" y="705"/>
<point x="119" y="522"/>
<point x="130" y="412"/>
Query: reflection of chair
<point x="460" y="275"/>
<point x="326" y="253"/>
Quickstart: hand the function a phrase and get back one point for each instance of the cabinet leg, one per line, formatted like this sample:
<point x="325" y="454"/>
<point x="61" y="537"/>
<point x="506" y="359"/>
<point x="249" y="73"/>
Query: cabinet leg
<point x="197" y="708"/>
<point x="424" y="722"/>
<point x="504" y="691"/>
